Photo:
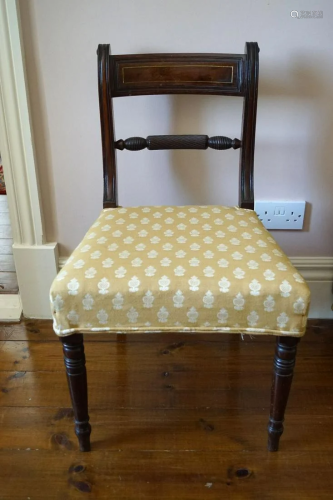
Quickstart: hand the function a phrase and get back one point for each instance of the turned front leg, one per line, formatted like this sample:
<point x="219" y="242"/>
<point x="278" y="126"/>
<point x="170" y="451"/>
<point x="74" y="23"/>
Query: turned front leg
<point x="284" y="362"/>
<point x="77" y="382"/>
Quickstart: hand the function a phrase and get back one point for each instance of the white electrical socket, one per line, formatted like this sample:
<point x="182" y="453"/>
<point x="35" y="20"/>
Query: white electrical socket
<point x="281" y="214"/>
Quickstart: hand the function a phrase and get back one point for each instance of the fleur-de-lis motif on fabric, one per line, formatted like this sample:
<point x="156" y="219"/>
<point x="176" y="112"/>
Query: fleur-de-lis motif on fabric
<point x="96" y="254"/>
<point x="58" y="303"/>
<point x="255" y="287"/>
<point x="148" y="299"/>
<point x="150" y="271"/>
<point x="265" y="257"/>
<point x="134" y="284"/>
<point x="73" y="287"/>
<point x="136" y="262"/>
<point x="107" y="262"/>
<point x="132" y="315"/>
<point x="298" y="278"/>
<point x="113" y="247"/>
<point x="269" y="303"/>
<point x="163" y="315"/>
<point x="239" y="302"/>
<point x="129" y="240"/>
<point x="178" y="299"/>
<point x="194" y="283"/>
<point x="285" y="288"/>
<point x="118" y="301"/>
<point x="124" y="255"/>
<point x="179" y="271"/>
<point x="78" y="264"/>
<point x="299" y="306"/>
<point x="282" y="320"/>
<point x="222" y="316"/>
<point x="209" y="272"/>
<point x="120" y="272"/>
<point x="224" y="285"/>
<point x="252" y="318"/>
<point x="195" y="246"/>
<point x="269" y="275"/>
<point x="208" y="300"/>
<point x="252" y="264"/>
<point x="239" y="273"/>
<point x="85" y="248"/>
<point x="88" y="302"/>
<point x="182" y="239"/>
<point x="117" y="234"/>
<point x="103" y="286"/>
<point x="102" y="317"/>
<point x="102" y="240"/>
<point x="73" y="317"/>
<point x="250" y="249"/>
<point x="166" y="262"/>
<point x="208" y="254"/>
<point x="164" y="283"/>
<point x="155" y="240"/>
<point x="192" y="315"/>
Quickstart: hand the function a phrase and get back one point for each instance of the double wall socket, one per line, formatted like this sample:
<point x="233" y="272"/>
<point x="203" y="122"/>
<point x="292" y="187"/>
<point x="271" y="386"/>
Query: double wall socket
<point x="281" y="214"/>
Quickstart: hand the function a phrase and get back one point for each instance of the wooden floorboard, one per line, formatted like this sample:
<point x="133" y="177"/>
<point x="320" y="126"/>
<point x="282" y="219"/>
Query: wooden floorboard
<point x="173" y="416"/>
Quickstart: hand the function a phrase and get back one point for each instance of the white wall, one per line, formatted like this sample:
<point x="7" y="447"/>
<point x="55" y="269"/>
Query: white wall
<point x="295" y="113"/>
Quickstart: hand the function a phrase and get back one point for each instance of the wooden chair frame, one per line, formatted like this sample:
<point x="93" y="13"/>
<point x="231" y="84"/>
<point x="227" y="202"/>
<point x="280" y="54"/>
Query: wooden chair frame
<point x="150" y="74"/>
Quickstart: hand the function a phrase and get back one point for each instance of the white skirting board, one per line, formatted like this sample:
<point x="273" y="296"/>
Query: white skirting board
<point x="10" y="307"/>
<point x="36" y="268"/>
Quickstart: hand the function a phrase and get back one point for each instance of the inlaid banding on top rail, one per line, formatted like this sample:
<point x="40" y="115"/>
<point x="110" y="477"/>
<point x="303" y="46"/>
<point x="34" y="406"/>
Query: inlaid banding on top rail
<point x="147" y="74"/>
<point x="178" y="73"/>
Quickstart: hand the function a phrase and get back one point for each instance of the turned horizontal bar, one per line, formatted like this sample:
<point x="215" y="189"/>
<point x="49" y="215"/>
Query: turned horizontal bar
<point x="155" y="142"/>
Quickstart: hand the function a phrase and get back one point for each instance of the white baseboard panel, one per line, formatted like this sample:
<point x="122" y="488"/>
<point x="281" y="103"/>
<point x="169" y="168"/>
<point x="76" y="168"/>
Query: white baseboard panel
<point x="36" y="268"/>
<point x="10" y="307"/>
<point x="318" y="273"/>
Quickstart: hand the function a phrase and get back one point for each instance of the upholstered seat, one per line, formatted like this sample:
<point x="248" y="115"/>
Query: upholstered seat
<point x="207" y="268"/>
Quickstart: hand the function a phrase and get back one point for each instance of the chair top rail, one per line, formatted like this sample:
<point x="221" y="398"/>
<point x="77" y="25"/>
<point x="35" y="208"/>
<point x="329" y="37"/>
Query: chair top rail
<point x="151" y="74"/>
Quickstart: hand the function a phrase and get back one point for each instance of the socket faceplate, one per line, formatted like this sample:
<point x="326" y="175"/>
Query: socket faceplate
<point x="281" y="214"/>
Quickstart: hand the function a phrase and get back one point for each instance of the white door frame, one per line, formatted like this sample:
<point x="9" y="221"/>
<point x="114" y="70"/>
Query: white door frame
<point x="36" y="261"/>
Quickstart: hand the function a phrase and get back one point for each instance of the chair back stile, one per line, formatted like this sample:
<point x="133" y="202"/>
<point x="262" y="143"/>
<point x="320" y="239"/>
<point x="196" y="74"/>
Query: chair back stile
<point x="152" y="74"/>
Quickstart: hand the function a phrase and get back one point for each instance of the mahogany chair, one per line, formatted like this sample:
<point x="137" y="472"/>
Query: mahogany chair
<point x="184" y="269"/>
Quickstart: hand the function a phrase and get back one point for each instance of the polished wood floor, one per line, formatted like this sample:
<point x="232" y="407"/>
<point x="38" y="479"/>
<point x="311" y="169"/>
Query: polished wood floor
<point x="179" y="417"/>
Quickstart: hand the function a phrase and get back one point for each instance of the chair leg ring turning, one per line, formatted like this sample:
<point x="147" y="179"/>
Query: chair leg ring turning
<point x="284" y="362"/>
<point x="75" y="364"/>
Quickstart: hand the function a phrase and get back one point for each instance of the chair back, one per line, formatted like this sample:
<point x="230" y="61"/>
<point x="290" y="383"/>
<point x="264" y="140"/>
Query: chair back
<point x="151" y="74"/>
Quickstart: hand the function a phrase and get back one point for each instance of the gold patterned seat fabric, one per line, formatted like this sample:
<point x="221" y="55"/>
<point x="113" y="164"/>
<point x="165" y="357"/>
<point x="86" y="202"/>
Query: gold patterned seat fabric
<point x="187" y="268"/>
